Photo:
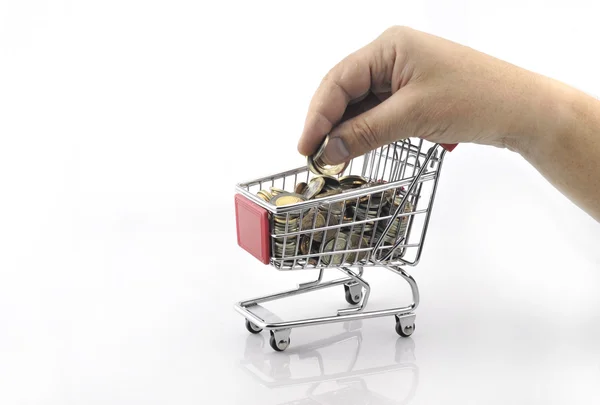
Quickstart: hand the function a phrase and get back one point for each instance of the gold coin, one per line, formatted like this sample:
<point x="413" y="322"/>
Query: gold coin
<point x="275" y="191"/>
<point x="329" y="193"/>
<point x="335" y="208"/>
<point x="281" y="220"/>
<point x="352" y="181"/>
<point x="334" y="245"/>
<point x="309" y="219"/>
<point x="287" y="200"/>
<point x="290" y="245"/>
<point x="398" y="199"/>
<point x="289" y="240"/>
<point x="324" y="168"/>
<point x="265" y="195"/>
<point x="357" y="243"/>
<point x="331" y="182"/>
<point x="284" y="198"/>
<point x="314" y="187"/>
<point x="300" y="187"/>
<point x="290" y="218"/>
<point x="311" y="166"/>
<point x="305" y="244"/>
<point x="282" y="231"/>
<point x="326" y="235"/>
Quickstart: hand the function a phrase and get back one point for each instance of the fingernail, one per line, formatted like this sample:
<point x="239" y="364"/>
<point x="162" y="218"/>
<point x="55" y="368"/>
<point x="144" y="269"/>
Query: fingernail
<point x="336" y="152"/>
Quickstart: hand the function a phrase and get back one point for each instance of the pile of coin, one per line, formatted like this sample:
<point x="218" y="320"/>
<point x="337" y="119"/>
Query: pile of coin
<point x="369" y="208"/>
<point x="338" y="218"/>
<point x="350" y="182"/>
<point x="398" y="227"/>
<point x="313" y="237"/>
<point x="345" y="241"/>
<point x="285" y="223"/>
<point x="264" y="195"/>
<point x="273" y="192"/>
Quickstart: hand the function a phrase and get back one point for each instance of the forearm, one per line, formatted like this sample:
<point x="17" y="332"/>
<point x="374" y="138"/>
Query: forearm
<point x="565" y="149"/>
<point x="447" y="93"/>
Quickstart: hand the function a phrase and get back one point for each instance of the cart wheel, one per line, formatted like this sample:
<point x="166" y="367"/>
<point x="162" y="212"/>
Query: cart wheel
<point x="406" y="331"/>
<point x="252" y="328"/>
<point x="353" y="294"/>
<point x="279" y="345"/>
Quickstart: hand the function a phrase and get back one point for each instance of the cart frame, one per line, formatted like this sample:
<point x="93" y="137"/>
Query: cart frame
<point x="405" y="167"/>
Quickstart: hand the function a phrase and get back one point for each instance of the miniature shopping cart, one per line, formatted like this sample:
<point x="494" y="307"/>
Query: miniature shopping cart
<point x="382" y="222"/>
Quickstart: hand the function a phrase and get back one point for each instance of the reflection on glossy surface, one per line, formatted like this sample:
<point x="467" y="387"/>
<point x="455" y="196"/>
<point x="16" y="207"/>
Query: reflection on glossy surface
<point x="340" y="369"/>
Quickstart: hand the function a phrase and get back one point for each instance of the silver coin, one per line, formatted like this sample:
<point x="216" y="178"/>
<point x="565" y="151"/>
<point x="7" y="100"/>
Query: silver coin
<point x="356" y="242"/>
<point x="276" y="190"/>
<point x="334" y="245"/>
<point x="314" y="187"/>
<point x="331" y="183"/>
<point x="352" y="181"/>
<point x="331" y="233"/>
<point x="329" y="193"/>
<point x="300" y="188"/>
<point x="314" y="219"/>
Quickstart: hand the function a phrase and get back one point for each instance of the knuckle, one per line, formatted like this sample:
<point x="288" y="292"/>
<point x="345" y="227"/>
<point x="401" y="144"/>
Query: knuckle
<point x="326" y="78"/>
<point x="397" y="30"/>
<point x="400" y="38"/>
<point x="364" y="132"/>
<point x="331" y="76"/>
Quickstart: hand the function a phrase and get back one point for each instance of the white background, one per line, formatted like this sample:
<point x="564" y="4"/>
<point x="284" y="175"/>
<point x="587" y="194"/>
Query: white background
<point x="124" y="126"/>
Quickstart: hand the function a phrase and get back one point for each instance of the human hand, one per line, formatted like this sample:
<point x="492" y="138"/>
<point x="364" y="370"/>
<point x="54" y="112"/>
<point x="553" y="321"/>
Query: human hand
<point x="408" y="83"/>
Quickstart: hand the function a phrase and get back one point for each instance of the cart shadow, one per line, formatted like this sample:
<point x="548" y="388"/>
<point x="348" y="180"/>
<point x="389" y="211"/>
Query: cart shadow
<point x="337" y="369"/>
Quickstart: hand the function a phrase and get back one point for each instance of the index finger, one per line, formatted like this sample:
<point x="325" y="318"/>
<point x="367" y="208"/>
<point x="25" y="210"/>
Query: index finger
<point x="348" y="80"/>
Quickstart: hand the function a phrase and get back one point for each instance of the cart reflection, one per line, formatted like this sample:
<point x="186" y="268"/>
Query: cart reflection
<point x="338" y="369"/>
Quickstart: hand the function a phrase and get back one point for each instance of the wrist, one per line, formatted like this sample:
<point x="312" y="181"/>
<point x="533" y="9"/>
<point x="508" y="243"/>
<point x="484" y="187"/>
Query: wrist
<point x="549" y="114"/>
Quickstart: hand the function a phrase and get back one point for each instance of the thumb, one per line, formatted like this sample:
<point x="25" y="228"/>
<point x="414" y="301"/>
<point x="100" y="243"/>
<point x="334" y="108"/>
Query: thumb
<point x="381" y="125"/>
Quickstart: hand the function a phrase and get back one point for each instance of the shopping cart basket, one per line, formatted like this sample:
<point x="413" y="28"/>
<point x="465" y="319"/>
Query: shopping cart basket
<point x="376" y="213"/>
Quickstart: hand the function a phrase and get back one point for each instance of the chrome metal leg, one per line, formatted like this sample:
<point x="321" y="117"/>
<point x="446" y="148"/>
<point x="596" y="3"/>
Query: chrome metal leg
<point x="414" y="288"/>
<point x="312" y="283"/>
<point x="301" y="289"/>
<point x="280" y="329"/>
<point x="359" y="282"/>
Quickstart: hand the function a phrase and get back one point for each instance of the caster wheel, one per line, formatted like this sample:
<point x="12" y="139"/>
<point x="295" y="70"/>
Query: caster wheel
<point x="353" y="294"/>
<point x="279" y="345"/>
<point x="406" y="331"/>
<point x="252" y="328"/>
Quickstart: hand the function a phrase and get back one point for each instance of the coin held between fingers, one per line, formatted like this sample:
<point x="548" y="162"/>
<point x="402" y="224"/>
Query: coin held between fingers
<point x="336" y="151"/>
<point x="317" y="165"/>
